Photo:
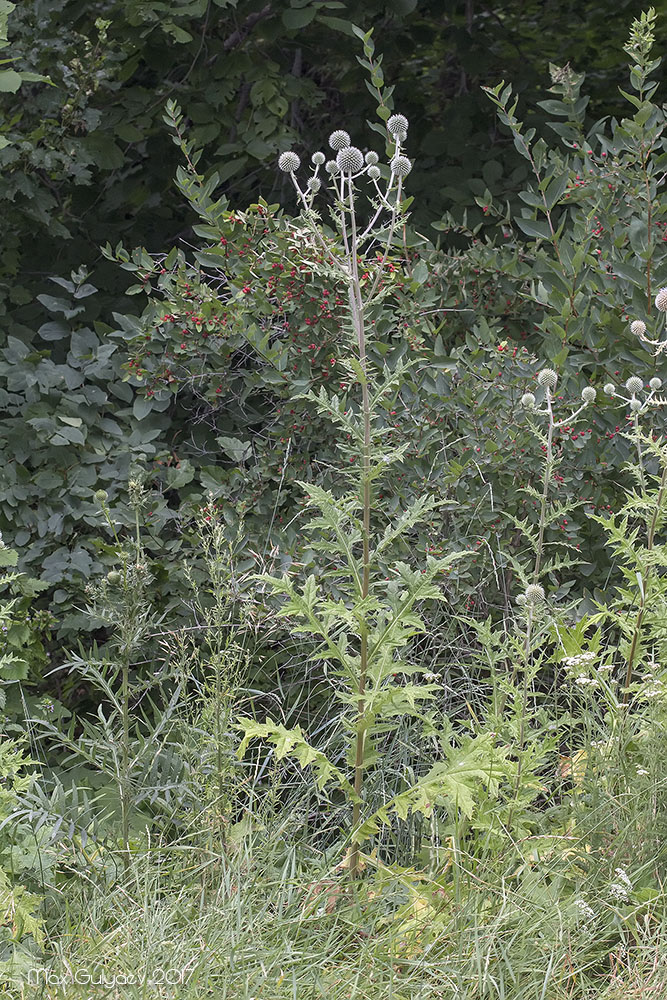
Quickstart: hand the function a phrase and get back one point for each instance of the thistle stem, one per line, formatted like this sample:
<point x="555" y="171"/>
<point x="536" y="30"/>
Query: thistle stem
<point x="642" y="603"/>
<point x="357" y="313"/>
<point x="548" y="472"/>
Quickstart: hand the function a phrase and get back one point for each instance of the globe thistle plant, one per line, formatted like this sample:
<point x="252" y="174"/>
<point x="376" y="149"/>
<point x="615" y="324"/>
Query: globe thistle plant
<point x="289" y="162"/>
<point x="547" y="379"/>
<point x="633" y="387"/>
<point x="398" y="124"/>
<point x="533" y="595"/>
<point x="355" y="259"/>
<point x="638" y="326"/>
<point x="339" y="140"/>
<point x="638" y="407"/>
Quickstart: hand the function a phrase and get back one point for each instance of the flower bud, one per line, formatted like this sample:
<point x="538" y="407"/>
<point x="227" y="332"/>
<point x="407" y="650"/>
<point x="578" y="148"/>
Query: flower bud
<point x="528" y="400"/>
<point x="655" y="384"/>
<point x="588" y="394"/>
<point x="534" y="593"/>
<point x="318" y="159"/>
<point x="289" y="162"/>
<point x="401" y="166"/>
<point x="396" y="124"/>
<point x="350" y="159"/>
<point x="374" y="172"/>
<point x="521" y="600"/>
<point x="314" y="183"/>
<point x="113" y="576"/>
<point x="548" y="378"/>
<point x="634" y="384"/>
<point x="101" y="496"/>
<point x="331" y="167"/>
<point x="635" y="404"/>
<point x="339" y="139"/>
<point x="661" y="300"/>
<point x="638" y="327"/>
<point x="371" y="158"/>
<point x="609" y="388"/>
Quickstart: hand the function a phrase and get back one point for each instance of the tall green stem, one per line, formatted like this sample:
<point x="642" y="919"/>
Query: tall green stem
<point x="357" y="314"/>
<point x="642" y="594"/>
<point x="548" y="472"/>
<point x="125" y="753"/>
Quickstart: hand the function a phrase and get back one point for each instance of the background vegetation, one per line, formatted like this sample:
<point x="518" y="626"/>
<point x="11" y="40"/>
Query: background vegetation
<point x="174" y="349"/>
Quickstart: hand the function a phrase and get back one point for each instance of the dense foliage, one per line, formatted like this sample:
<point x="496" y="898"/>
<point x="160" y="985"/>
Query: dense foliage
<point x="334" y="482"/>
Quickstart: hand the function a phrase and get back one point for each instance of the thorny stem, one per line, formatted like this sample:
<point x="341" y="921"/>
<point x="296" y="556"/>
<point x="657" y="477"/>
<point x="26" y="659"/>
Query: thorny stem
<point x="390" y="236"/>
<point x="125" y="753"/>
<point x="522" y="723"/>
<point x="640" y="458"/>
<point x="642" y="591"/>
<point x="357" y="311"/>
<point x="649" y="222"/>
<point x="548" y="471"/>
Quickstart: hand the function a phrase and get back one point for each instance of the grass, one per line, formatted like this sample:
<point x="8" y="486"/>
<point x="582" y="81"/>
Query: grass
<point x="273" y="919"/>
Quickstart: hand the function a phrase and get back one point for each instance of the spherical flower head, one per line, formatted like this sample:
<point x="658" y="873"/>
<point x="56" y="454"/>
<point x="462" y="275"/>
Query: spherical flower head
<point x="314" y="184"/>
<point x="588" y="394"/>
<point x="528" y="400"/>
<point x="396" y="124"/>
<point x="661" y="300"/>
<point x="401" y="166"/>
<point x="318" y="158"/>
<point x="350" y="159"/>
<point x="635" y="404"/>
<point x="521" y="600"/>
<point x="638" y="327"/>
<point x="331" y="167"/>
<point x="289" y="162"/>
<point x="609" y="388"/>
<point x="547" y="378"/>
<point x="339" y="139"/>
<point x="374" y="172"/>
<point x="371" y="158"/>
<point x="101" y="496"/>
<point x="634" y="384"/>
<point x="655" y="384"/>
<point x="534" y="593"/>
